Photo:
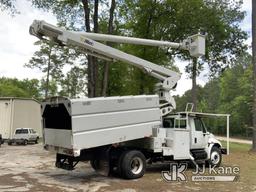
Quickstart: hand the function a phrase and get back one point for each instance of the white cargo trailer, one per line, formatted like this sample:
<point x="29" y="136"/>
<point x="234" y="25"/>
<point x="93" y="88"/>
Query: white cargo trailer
<point x="18" y="113"/>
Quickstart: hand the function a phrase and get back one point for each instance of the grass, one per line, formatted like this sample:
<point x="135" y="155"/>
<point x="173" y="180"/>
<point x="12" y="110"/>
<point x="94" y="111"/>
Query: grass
<point x="238" y="147"/>
<point x="240" y="155"/>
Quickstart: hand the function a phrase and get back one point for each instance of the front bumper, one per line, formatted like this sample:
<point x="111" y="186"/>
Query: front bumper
<point x="224" y="151"/>
<point x="19" y="141"/>
<point x="61" y="150"/>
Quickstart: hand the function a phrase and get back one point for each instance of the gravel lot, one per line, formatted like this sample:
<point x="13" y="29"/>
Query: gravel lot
<point x="30" y="168"/>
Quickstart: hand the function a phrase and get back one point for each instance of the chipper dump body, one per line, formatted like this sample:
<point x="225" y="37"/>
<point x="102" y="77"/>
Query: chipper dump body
<point x="86" y="123"/>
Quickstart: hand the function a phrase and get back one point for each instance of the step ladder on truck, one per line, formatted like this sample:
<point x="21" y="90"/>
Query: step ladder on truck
<point x="123" y="133"/>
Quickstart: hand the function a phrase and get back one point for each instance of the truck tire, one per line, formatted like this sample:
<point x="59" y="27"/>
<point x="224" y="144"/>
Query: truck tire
<point x="95" y="164"/>
<point x="215" y="157"/>
<point x="132" y="164"/>
<point x="25" y="142"/>
<point x="36" y="141"/>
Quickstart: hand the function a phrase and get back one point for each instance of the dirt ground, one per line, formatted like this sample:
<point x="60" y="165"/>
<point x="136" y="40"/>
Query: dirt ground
<point x="30" y="168"/>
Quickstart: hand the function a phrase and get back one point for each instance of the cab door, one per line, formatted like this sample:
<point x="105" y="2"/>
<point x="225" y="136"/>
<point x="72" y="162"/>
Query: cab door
<point x="198" y="135"/>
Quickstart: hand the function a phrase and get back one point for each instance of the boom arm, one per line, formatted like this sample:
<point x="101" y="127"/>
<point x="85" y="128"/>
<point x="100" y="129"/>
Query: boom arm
<point x="85" y="41"/>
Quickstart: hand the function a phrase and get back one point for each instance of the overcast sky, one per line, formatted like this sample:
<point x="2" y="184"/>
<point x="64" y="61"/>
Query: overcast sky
<point x="17" y="45"/>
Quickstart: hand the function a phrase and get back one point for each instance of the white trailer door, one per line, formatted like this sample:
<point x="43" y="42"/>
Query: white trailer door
<point x="5" y="119"/>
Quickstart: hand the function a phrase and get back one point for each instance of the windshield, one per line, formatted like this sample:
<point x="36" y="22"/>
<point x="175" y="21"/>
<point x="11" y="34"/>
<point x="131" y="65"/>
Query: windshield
<point x="21" y="131"/>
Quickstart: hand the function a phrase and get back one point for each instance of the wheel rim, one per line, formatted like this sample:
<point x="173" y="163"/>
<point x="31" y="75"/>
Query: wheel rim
<point x="136" y="165"/>
<point x="215" y="158"/>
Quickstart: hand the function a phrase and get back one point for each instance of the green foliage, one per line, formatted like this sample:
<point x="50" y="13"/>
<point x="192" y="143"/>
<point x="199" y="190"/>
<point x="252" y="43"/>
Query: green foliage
<point x="230" y="93"/>
<point x="19" y="88"/>
<point x="174" y="20"/>
<point x="28" y="88"/>
<point x="170" y="20"/>
<point x="9" y="6"/>
<point x="236" y="94"/>
<point x="51" y="86"/>
<point x="140" y="19"/>
<point x="73" y="84"/>
<point x="49" y="59"/>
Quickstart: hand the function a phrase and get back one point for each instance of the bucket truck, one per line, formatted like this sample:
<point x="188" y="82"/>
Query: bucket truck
<point x="123" y="133"/>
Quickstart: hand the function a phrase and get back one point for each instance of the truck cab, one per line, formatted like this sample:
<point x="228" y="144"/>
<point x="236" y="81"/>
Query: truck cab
<point x="195" y="140"/>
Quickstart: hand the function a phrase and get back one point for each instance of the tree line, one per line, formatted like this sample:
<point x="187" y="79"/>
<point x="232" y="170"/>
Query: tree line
<point x="229" y="93"/>
<point x="170" y="20"/>
<point x="70" y="72"/>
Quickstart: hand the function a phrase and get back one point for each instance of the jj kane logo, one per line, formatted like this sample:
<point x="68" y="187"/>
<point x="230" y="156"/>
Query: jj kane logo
<point x="212" y="173"/>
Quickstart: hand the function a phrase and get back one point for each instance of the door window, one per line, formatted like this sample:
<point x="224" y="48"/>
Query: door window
<point x="199" y="125"/>
<point x="180" y="123"/>
<point x="174" y="123"/>
<point x="168" y="123"/>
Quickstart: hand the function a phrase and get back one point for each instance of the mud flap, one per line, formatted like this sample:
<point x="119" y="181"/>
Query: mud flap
<point x="103" y="168"/>
<point x="224" y="151"/>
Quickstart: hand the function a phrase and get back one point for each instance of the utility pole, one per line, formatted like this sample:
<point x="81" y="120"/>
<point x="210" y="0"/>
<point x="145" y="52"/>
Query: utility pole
<point x="254" y="72"/>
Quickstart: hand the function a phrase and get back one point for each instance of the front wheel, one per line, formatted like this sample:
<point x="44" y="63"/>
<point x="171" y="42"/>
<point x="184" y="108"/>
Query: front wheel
<point x="215" y="157"/>
<point x="133" y="164"/>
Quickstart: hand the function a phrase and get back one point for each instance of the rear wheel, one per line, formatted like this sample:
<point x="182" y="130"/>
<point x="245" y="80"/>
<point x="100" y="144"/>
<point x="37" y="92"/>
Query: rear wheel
<point x="101" y="166"/>
<point x="132" y="164"/>
<point x="25" y="142"/>
<point x="95" y="164"/>
<point x="36" y="141"/>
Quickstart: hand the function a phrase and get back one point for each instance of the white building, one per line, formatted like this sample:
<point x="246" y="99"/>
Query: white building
<point x="18" y="113"/>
